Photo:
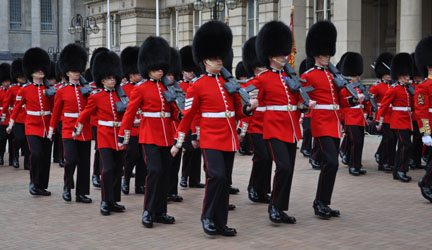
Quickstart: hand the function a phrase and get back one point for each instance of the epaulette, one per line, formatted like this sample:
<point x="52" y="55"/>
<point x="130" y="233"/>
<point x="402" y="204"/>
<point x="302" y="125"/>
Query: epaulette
<point x="197" y="78"/>
<point x="376" y="83"/>
<point x="394" y="85"/>
<point x="140" y="83"/>
<point x="262" y="72"/>
<point x="13" y="84"/>
<point x="94" y="92"/>
<point x="123" y="83"/>
<point x="62" y="86"/>
<point x="309" y="70"/>
<point x="25" y="85"/>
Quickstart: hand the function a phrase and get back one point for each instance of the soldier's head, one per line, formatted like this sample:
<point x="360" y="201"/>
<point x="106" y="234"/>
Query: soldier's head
<point x="188" y="65"/>
<point x="17" y="74"/>
<point x="60" y="75"/>
<point x="153" y="58"/>
<point x="240" y="71"/>
<point x="274" y="44"/>
<point x="305" y="65"/>
<point x="423" y="56"/>
<point x="251" y="63"/>
<point x="51" y="77"/>
<point x="321" y="42"/>
<point x="174" y="69"/>
<point x="401" y="67"/>
<point x="417" y="76"/>
<point x="352" y="65"/>
<point x="36" y="64"/>
<point x="212" y="45"/>
<point x="382" y="66"/>
<point x="106" y="70"/>
<point x="72" y="61"/>
<point x="129" y="61"/>
<point x="5" y="75"/>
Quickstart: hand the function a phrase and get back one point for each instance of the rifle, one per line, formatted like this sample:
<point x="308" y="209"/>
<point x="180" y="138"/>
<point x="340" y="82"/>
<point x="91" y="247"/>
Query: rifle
<point x="410" y="89"/>
<point x="293" y="82"/>
<point x="366" y="93"/>
<point x="85" y="88"/>
<point x="174" y="93"/>
<point x="232" y="86"/>
<point x="341" y="82"/>
<point x="124" y="100"/>
<point x="50" y="91"/>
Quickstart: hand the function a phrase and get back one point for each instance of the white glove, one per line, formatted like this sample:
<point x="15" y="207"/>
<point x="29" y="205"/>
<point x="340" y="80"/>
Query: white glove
<point x="427" y="140"/>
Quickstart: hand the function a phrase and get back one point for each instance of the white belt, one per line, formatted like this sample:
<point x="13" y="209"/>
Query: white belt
<point x="10" y="108"/>
<point x="430" y="110"/>
<point x="327" y="106"/>
<point x="282" y="107"/>
<point x="261" y="109"/>
<point x="109" y="123"/>
<point x="360" y="106"/>
<point x="226" y="114"/>
<point x="71" y="115"/>
<point x="38" y="113"/>
<point x="156" y="114"/>
<point x="1" y="108"/>
<point x="401" y="108"/>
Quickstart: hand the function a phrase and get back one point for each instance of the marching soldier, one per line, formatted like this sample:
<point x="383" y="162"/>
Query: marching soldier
<point x="57" y="82"/>
<point x="134" y="154"/>
<point x="106" y="70"/>
<point x="325" y="120"/>
<point x="245" y="144"/>
<point x="5" y="82"/>
<point x="191" y="162"/>
<point x="219" y="112"/>
<point x="19" y="141"/>
<point x="156" y="134"/>
<point x="306" y="147"/>
<point x="399" y="100"/>
<point x="386" y="150"/>
<point x="423" y="107"/>
<point x="36" y="66"/>
<point x="69" y="102"/>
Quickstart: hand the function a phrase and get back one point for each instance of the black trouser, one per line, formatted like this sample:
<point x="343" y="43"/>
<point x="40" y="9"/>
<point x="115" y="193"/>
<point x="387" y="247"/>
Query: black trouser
<point x="387" y="147"/>
<point x="58" y="144"/>
<point x="219" y="165"/>
<point x="316" y="151"/>
<point x="134" y="158"/>
<point x="417" y="147"/>
<point x="40" y="160"/>
<point x="96" y="159"/>
<point x="20" y="142"/>
<point x="77" y="155"/>
<point x="5" y="137"/>
<point x="260" y="178"/>
<point x="427" y="178"/>
<point x="158" y="160"/>
<point x="344" y="147"/>
<point x="355" y="142"/>
<point x="403" y="153"/>
<point x="112" y="166"/>
<point x="284" y="154"/>
<point x="307" y="134"/>
<point x="329" y="147"/>
<point x="173" y="172"/>
<point x="245" y="145"/>
<point x="191" y="166"/>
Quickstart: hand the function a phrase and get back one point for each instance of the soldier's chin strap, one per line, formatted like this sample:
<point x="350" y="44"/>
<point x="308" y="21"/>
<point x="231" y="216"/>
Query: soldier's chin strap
<point x="213" y="66"/>
<point x="281" y="63"/>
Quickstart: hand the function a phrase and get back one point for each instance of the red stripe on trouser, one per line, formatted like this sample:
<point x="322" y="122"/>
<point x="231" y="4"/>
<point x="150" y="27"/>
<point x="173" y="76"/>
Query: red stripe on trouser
<point x="145" y="161"/>
<point x="352" y="148"/>
<point x="64" y="168"/>
<point x="403" y="150"/>
<point x="323" y="166"/>
<point x="274" y="178"/>
<point x="251" y="181"/>
<point x="103" y="166"/>
<point x="31" y="165"/>
<point x="207" y="180"/>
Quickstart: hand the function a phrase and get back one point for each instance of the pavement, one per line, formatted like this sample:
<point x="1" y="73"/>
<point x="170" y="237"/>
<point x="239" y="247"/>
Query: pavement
<point x="377" y="212"/>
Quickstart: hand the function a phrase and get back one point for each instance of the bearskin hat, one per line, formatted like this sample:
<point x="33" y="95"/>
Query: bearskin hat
<point x="129" y="60"/>
<point x="212" y="40"/>
<point x="305" y="65"/>
<point x="105" y="64"/>
<point x="36" y="59"/>
<point x="5" y="74"/>
<point x="52" y="71"/>
<point x="228" y="61"/>
<point x="73" y="58"/>
<point x="59" y="72"/>
<point x="88" y="75"/>
<point x="187" y="62"/>
<point x="423" y="54"/>
<point x="16" y="70"/>
<point x="401" y="65"/>
<point x="380" y="68"/>
<point x="321" y="39"/>
<point x="240" y="70"/>
<point x="249" y="56"/>
<point x="175" y="64"/>
<point x="415" y="70"/>
<point x="154" y="54"/>
<point x="95" y="52"/>
<point x="274" y="39"/>
<point x="352" y="64"/>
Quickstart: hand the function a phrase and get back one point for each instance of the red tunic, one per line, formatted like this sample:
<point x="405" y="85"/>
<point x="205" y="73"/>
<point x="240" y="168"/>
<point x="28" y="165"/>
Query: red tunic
<point x="219" y="112"/>
<point x="101" y="104"/>
<point x="379" y="90"/>
<point x="38" y="108"/>
<point x="10" y="100"/>
<point x="401" y="105"/>
<point x="423" y="104"/>
<point x="127" y="88"/>
<point x="153" y="130"/>
<point x="68" y="104"/>
<point x="355" y="115"/>
<point x="4" y="105"/>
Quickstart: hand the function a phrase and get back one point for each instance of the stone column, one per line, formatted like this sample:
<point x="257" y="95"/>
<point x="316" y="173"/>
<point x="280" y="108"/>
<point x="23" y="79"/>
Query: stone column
<point x="185" y="25"/>
<point x="410" y="24"/>
<point x="65" y="17"/>
<point x="4" y="28"/>
<point x="35" y="23"/>
<point x="347" y="19"/>
<point x="237" y="23"/>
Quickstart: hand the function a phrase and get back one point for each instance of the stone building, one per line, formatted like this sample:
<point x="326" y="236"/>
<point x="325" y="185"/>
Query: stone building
<point x="37" y="23"/>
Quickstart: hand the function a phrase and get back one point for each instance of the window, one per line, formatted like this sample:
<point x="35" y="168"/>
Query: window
<point x="115" y="32"/>
<point x="15" y="14"/>
<point x="252" y="18"/>
<point x="322" y="10"/>
<point x="197" y="20"/>
<point x="46" y="15"/>
<point x="173" y="28"/>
